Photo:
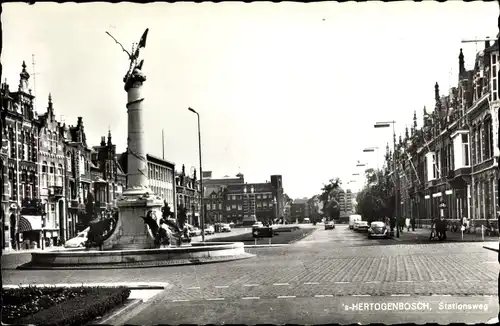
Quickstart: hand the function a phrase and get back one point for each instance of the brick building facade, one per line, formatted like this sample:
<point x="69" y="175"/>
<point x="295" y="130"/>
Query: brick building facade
<point x="452" y="158"/>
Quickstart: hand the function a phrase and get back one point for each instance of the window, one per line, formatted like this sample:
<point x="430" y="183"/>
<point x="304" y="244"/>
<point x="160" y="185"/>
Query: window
<point x="478" y="144"/>
<point x="434" y="166"/>
<point x="240" y="207"/>
<point x="233" y="206"/>
<point x="68" y="161"/>
<point x="214" y="207"/>
<point x="228" y="208"/>
<point x="51" y="174"/>
<point x="486" y="138"/>
<point x="220" y="205"/>
<point x="258" y="196"/>
<point x="60" y="175"/>
<point x="82" y="164"/>
<point x="44" y="174"/>
<point x="495" y="65"/>
<point x="465" y="149"/>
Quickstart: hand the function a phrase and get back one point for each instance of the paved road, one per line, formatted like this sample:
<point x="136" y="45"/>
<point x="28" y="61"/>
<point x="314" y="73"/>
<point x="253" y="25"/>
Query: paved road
<point x="308" y="282"/>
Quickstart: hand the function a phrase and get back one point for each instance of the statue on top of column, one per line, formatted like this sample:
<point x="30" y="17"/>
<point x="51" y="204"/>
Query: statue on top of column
<point x="135" y="66"/>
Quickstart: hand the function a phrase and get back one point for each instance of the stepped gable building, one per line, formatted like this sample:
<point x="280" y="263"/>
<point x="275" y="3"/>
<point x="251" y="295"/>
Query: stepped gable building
<point x="52" y="160"/>
<point x="78" y="177"/>
<point x="108" y="178"/>
<point x="453" y="157"/>
<point x="187" y="189"/>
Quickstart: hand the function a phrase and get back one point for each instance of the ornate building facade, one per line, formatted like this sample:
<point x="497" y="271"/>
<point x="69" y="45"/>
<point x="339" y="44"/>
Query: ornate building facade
<point x="78" y="181"/>
<point x="453" y="158"/>
<point x="108" y="177"/>
<point x="51" y="156"/>
<point x="188" y="194"/>
<point x="20" y="127"/>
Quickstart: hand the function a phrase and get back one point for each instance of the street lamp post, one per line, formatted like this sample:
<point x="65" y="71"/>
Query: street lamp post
<point x="202" y="211"/>
<point x="387" y="124"/>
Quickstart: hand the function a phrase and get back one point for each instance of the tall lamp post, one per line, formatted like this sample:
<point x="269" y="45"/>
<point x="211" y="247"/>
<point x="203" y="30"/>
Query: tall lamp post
<point x="387" y="124"/>
<point x="202" y="211"/>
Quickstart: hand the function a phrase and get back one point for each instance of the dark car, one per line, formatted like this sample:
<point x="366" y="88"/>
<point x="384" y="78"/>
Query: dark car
<point x="378" y="230"/>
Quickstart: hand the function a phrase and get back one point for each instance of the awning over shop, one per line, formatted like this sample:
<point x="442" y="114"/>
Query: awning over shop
<point x="29" y="223"/>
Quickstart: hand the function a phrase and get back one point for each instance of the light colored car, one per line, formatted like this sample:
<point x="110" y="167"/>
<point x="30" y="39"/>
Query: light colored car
<point x="225" y="228"/>
<point x="194" y="231"/>
<point x="361" y="226"/>
<point x="378" y="230"/>
<point x="258" y="225"/>
<point x="329" y="225"/>
<point x="78" y="241"/>
<point x="352" y="220"/>
<point x="209" y="229"/>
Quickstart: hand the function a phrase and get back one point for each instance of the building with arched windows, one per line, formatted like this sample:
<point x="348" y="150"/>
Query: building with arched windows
<point x="453" y="158"/>
<point x="20" y="126"/>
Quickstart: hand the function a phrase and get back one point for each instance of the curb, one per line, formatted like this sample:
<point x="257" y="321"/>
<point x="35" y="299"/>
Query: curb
<point x="149" y="264"/>
<point x="131" y="305"/>
<point x="130" y="286"/>
<point x="267" y="245"/>
<point x="490" y="248"/>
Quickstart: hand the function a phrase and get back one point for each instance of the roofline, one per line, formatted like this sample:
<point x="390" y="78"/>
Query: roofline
<point x="156" y="158"/>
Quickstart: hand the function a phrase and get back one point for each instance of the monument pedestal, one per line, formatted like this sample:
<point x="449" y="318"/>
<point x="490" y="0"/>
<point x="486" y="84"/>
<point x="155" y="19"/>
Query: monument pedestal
<point x="131" y="231"/>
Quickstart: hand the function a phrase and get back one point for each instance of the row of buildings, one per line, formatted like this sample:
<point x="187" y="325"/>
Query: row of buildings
<point x="453" y="157"/>
<point x="46" y="161"/>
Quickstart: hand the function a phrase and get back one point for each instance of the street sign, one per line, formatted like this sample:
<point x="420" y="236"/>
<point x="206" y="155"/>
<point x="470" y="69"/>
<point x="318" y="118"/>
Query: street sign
<point x="262" y="232"/>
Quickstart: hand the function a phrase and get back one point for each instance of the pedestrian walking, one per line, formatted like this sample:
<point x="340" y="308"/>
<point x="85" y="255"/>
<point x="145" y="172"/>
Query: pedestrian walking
<point x="407" y="222"/>
<point x="413" y="224"/>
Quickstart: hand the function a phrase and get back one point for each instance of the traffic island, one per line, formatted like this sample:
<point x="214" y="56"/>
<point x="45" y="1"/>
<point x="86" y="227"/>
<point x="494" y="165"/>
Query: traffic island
<point x="280" y="237"/>
<point x="197" y="253"/>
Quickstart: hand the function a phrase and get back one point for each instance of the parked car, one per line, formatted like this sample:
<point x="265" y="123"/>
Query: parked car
<point x="352" y="220"/>
<point x="225" y="228"/>
<point x="361" y="226"/>
<point x="194" y="231"/>
<point x="329" y="225"/>
<point x="258" y="224"/>
<point x="209" y="229"/>
<point x="378" y="230"/>
<point x="78" y="241"/>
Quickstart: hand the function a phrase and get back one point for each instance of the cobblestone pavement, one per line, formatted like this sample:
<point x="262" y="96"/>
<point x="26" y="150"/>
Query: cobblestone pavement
<point x="334" y="262"/>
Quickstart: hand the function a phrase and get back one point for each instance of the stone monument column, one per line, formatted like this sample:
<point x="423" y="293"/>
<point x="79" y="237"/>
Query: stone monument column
<point x="131" y="232"/>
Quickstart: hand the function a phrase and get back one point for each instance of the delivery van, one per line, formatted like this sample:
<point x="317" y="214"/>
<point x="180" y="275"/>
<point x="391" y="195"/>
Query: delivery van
<point x="353" y="219"/>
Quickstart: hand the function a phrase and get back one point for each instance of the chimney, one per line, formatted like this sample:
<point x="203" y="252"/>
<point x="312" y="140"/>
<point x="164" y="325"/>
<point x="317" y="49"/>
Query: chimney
<point x="487" y="44"/>
<point x="103" y="141"/>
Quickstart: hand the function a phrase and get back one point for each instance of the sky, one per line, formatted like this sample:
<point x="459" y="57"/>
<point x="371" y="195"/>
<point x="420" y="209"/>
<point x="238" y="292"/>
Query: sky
<point x="281" y="88"/>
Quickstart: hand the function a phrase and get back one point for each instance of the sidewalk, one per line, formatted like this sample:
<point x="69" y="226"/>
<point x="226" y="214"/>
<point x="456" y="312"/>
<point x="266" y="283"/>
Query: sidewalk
<point x="27" y="251"/>
<point x="422" y="234"/>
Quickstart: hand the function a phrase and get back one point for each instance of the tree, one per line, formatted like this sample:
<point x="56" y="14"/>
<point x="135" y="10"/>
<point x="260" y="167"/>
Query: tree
<point x="376" y="199"/>
<point x="329" y="198"/>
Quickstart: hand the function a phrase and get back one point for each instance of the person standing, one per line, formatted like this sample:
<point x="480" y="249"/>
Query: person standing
<point x="407" y="223"/>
